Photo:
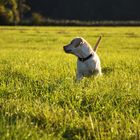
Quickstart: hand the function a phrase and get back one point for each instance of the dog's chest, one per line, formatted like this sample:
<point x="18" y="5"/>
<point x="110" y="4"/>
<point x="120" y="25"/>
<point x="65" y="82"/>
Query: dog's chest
<point x="86" y="68"/>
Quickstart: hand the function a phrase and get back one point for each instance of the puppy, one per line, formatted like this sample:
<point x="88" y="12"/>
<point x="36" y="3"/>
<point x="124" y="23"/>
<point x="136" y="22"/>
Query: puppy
<point x="88" y="62"/>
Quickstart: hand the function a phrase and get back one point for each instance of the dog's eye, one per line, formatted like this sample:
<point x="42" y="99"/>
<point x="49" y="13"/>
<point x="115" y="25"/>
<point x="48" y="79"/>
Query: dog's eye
<point x="76" y="45"/>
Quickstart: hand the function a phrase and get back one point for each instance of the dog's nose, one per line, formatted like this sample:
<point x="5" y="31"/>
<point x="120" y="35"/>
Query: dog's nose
<point x="64" y="48"/>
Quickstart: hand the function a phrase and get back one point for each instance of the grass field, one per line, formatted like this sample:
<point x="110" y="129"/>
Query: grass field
<point x="40" y="100"/>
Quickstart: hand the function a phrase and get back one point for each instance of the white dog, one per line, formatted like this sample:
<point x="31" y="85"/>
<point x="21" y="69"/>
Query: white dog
<point x="88" y="62"/>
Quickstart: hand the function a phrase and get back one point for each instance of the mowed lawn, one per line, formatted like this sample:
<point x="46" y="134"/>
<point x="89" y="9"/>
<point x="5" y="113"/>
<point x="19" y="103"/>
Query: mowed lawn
<point x="40" y="100"/>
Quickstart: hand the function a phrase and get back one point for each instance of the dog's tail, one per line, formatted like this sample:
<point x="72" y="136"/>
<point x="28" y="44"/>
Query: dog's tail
<point x="96" y="45"/>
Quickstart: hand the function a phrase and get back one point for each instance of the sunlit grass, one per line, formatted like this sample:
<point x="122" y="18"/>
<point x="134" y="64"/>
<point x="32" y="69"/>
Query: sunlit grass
<point x="39" y="98"/>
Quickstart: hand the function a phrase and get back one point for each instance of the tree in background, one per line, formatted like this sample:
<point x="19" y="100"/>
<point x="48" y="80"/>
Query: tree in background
<point x="9" y="12"/>
<point x="6" y="15"/>
<point x="37" y="19"/>
<point x="12" y="11"/>
<point x="22" y="9"/>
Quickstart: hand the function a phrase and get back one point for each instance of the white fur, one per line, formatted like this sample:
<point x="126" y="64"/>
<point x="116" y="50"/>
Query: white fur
<point x="81" y="48"/>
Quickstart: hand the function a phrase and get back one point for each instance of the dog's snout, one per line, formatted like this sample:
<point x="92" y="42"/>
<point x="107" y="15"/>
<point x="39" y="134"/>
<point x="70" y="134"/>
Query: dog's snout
<point x="64" y="48"/>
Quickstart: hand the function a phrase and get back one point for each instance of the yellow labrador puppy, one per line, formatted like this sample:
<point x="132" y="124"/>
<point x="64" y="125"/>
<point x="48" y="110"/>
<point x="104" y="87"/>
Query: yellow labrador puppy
<point x="88" y="62"/>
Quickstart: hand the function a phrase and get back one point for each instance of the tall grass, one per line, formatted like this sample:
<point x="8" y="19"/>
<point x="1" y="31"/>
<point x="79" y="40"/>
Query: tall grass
<point x="39" y="98"/>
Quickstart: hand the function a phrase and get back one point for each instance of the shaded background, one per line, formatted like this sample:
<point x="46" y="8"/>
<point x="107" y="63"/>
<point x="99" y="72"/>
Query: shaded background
<point x="43" y="11"/>
<point x="88" y="9"/>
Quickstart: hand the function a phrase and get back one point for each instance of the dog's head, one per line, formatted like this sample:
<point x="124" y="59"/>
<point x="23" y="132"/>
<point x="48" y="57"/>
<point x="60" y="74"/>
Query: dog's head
<point x="79" y="47"/>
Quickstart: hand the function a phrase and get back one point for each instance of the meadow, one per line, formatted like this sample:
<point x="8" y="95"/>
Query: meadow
<point x="40" y="99"/>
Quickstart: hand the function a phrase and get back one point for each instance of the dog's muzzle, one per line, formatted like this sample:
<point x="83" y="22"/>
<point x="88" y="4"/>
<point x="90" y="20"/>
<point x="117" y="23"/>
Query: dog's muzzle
<point x="66" y="49"/>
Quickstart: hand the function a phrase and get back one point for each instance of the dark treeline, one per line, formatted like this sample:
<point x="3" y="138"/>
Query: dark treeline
<point x="54" y="11"/>
<point x="88" y="9"/>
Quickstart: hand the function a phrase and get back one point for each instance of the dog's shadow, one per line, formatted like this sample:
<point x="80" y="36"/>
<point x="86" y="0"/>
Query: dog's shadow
<point x="107" y="70"/>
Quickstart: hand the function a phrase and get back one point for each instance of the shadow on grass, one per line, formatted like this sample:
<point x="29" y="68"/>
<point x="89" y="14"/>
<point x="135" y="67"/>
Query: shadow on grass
<point x="6" y="94"/>
<point x="77" y="133"/>
<point x="107" y="70"/>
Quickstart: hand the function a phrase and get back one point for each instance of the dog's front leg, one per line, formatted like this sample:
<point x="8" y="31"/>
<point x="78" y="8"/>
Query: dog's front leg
<point x="79" y="76"/>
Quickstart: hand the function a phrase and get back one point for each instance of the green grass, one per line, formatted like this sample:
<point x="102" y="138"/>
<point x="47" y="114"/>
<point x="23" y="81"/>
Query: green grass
<point x="39" y="98"/>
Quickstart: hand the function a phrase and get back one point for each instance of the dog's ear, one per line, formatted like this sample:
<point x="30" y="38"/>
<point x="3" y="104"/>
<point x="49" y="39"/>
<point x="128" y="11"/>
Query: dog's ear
<point x="96" y="45"/>
<point x="81" y="42"/>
